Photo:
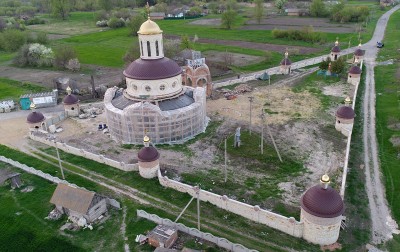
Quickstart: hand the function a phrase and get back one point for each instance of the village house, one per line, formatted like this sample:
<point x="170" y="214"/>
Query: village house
<point x="80" y="205"/>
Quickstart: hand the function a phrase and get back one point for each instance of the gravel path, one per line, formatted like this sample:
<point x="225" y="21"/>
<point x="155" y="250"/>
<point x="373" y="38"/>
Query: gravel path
<point x="382" y="223"/>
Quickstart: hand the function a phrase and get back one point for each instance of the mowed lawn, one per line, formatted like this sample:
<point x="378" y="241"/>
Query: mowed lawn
<point x="387" y="116"/>
<point x="11" y="89"/>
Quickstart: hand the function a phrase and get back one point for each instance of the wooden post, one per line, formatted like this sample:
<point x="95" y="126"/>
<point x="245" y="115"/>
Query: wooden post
<point x="251" y="98"/>
<point x="93" y="89"/>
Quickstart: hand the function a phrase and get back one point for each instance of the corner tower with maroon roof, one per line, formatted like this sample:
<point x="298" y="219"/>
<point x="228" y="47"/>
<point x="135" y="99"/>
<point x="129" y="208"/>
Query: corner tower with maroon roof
<point x="335" y="51"/>
<point x="321" y="213"/>
<point x="286" y="64"/>
<point x="358" y="55"/>
<point x="148" y="160"/>
<point x="354" y="75"/>
<point x="71" y="103"/>
<point x="155" y="99"/>
<point x="344" y="120"/>
<point x="35" y="119"/>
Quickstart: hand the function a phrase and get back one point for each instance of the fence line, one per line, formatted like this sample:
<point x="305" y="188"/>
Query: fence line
<point x="221" y="242"/>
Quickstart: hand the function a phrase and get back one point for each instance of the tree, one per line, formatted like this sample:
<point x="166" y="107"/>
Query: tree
<point x="279" y="4"/>
<point x="63" y="54"/>
<point x="106" y="5"/>
<point x="338" y="66"/>
<point x="135" y="23"/>
<point x="171" y="47"/>
<point x="325" y="64"/>
<point x="60" y="8"/>
<point x="227" y="19"/>
<point x="186" y="43"/>
<point x="317" y="8"/>
<point x="259" y="10"/>
<point x="132" y="54"/>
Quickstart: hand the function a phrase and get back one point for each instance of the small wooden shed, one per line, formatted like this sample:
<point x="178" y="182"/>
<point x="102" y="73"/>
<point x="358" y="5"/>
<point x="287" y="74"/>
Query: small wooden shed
<point x="162" y="236"/>
<point x="78" y="203"/>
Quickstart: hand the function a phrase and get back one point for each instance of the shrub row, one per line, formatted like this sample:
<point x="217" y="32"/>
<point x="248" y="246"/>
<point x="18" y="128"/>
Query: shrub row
<point x="11" y="39"/>
<point x="307" y="34"/>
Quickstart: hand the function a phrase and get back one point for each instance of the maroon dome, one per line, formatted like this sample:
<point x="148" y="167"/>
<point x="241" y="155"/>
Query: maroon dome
<point x="345" y="112"/>
<point x="359" y="52"/>
<point x="355" y="70"/>
<point x="35" y="117"/>
<point x="148" y="154"/>
<point x="142" y="69"/>
<point x="70" y="99"/>
<point x="286" y="62"/>
<point x="335" y="49"/>
<point x="325" y="203"/>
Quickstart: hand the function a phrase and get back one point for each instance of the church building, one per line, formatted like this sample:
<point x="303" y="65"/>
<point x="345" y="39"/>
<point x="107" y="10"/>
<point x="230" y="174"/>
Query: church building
<point x="154" y="103"/>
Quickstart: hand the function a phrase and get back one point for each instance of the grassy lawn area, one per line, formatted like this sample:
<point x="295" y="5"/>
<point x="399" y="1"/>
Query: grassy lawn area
<point x="357" y="233"/>
<point x="107" y="47"/>
<point x="77" y="23"/>
<point x="388" y="119"/>
<point x="152" y="187"/>
<point x="11" y="89"/>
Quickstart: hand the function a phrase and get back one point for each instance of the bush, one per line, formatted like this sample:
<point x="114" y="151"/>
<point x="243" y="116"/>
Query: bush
<point x="62" y="56"/>
<point x="34" y="21"/>
<point x="102" y="15"/>
<point x="42" y="38"/>
<point x="122" y="13"/>
<point x="21" y="59"/>
<point x="132" y="54"/>
<point x="11" y="40"/>
<point x="306" y="34"/>
<point x="101" y="23"/>
<point x="325" y="64"/>
<point x="115" y="23"/>
<point x="34" y="55"/>
<point x="135" y="23"/>
<point x="349" y="14"/>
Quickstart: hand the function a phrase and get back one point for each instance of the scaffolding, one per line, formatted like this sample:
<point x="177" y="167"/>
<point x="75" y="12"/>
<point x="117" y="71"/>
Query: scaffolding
<point x="164" y="123"/>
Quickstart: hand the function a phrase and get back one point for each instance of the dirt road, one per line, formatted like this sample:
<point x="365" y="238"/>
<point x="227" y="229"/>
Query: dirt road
<point x="382" y="223"/>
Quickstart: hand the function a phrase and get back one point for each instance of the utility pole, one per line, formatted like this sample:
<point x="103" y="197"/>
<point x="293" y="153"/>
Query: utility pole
<point x="59" y="160"/>
<point x="262" y="130"/>
<point x="198" y="209"/>
<point x="226" y="175"/>
<point x="251" y="98"/>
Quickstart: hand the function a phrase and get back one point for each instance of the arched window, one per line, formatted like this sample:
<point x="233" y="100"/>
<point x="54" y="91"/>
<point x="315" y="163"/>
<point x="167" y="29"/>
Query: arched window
<point x="141" y="47"/>
<point x="148" y="49"/>
<point x="157" y="51"/>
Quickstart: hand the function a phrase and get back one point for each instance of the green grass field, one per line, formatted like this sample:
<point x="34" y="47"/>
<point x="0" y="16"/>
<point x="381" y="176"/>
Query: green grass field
<point x="387" y="116"/>
<point x="107" y="47"/>
<point x="152" y="187"/>
<point x="10" y="89"/>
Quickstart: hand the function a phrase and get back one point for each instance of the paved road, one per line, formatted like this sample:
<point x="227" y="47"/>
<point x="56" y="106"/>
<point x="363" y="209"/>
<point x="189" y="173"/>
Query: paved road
<point x="382" y="223"/>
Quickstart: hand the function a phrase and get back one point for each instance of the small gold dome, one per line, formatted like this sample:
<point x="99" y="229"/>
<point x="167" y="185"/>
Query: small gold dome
<point x="149" y="28"/>
<point x="347" y="100"/>
<point x="325" y="178"/>
<point x="32" y="106"/>
<point x="146" y="139"/>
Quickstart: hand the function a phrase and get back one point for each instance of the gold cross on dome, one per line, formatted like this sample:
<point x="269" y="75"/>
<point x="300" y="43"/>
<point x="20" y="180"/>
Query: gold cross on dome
<point x="148" y="9"/>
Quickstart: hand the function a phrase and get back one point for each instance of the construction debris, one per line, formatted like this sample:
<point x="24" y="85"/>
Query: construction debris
<point x="238" y="90"/>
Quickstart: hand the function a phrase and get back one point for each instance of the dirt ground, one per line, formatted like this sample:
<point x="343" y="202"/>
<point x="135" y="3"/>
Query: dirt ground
<point x="254" y="45"/>
<point x="238" y="59"/>
<point x="295" y="120"/>
<point x="105" y="76"/>
<point x="286" y="22"/>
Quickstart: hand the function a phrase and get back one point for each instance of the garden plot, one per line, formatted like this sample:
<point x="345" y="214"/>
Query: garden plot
<point x="297" y="23"/>
<point x="236" y="59"/>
